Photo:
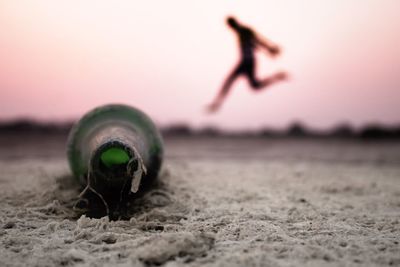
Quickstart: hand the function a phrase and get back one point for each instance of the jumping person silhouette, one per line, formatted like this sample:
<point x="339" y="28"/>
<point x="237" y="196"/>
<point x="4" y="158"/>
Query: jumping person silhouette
<point x="249" y="42"/>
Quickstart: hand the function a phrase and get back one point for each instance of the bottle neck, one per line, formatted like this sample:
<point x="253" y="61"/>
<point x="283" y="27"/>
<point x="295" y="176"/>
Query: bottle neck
<point x="115" y="158"/>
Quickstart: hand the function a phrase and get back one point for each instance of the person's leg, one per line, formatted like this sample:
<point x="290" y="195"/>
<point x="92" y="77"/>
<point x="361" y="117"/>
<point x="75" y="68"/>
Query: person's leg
<point x="257" y="85"/>
<point x="279" y="76"/>
<point x="249" y="71"/>
<point x="225" y="88"/>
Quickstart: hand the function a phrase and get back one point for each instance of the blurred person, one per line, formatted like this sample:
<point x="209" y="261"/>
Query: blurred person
<point x="249" y="41"/>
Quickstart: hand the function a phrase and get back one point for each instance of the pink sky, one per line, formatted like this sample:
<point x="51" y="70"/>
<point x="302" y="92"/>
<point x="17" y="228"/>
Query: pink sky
<point x="59" y="59"/>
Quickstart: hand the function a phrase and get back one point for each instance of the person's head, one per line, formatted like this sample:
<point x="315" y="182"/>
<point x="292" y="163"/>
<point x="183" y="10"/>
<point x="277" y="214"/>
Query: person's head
<point x="232" y="22"/>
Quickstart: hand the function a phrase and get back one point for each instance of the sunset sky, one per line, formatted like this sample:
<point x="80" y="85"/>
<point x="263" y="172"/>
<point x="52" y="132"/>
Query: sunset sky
<point x="58" y="59"/>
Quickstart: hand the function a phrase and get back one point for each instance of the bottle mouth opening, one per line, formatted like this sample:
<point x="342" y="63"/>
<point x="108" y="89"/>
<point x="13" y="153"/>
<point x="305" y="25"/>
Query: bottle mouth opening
<point x="111" y="160"/>
<point x="114" y="156"/>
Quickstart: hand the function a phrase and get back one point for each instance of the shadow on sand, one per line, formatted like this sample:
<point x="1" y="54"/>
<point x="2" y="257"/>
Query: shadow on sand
<point x="67" y="193"/>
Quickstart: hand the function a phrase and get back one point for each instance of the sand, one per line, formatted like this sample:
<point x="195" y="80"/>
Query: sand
<point x="219" y="202"/>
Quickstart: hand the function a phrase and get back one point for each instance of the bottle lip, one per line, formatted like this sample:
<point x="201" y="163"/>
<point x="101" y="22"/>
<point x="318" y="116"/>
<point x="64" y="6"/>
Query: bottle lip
<point x="117" y="173"/>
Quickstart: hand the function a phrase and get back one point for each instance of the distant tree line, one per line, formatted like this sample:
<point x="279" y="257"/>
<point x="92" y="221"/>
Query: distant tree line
<point x="295" y="130"/>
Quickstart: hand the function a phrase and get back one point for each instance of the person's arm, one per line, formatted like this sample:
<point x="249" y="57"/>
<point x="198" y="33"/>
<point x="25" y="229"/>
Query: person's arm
<point x="272" y="48"/>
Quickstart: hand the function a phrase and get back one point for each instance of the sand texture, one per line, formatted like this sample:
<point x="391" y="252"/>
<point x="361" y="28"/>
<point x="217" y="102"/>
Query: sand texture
<point x="218" y="202"/>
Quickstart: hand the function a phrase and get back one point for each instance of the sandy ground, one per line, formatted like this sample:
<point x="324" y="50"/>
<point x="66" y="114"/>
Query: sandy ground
<point x="219" y="202"/>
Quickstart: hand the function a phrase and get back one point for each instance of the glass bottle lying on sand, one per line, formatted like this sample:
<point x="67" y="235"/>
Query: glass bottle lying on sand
<point x="114" y="151"/>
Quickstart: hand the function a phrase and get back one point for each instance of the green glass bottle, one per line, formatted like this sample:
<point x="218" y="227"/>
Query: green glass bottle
<point x="114" y="151"/>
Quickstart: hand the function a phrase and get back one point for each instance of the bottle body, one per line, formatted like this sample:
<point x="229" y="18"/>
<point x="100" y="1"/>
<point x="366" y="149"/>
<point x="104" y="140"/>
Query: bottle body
<point x="115" y="146"/>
